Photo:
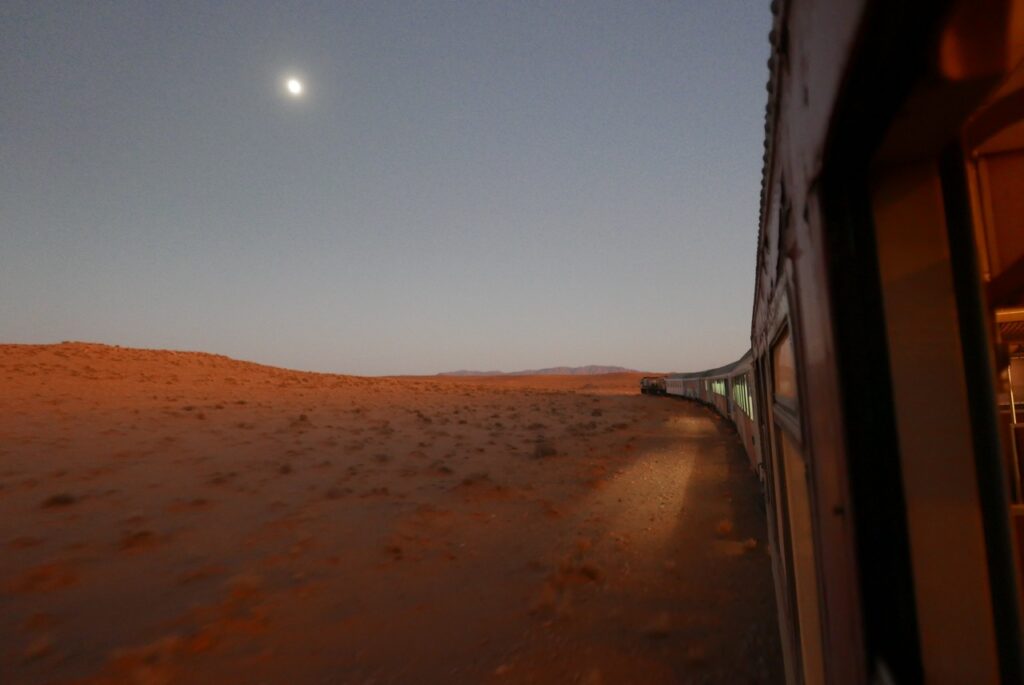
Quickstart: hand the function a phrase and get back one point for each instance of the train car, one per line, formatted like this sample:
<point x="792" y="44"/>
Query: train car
<point x="729" y="391"/>
<point x="887" y="340"/>
<point x="683" y="385"/>
<point x="674" y="386"/>
<point x="742" y="411"/>
<point x="891" y="246"/>
<point x="652" y="385"/>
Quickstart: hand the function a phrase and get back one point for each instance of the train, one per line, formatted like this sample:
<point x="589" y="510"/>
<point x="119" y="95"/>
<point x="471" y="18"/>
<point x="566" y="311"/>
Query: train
<point x="652" y="385"/>
<point x="879" y="403"/>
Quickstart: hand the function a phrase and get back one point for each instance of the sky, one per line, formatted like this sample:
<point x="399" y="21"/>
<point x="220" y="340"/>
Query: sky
<point x="463" y="185"/>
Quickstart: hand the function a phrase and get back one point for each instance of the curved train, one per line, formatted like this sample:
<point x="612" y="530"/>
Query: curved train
<point x="880" y="400"/>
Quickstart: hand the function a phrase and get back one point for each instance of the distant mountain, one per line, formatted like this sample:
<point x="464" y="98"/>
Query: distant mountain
<point x="591" y="370"/>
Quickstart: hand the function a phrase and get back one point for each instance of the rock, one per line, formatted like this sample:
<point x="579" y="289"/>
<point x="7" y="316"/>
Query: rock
<point x="38" y="649"/>
<point x="60" y="500"/>
<point x="696" y="654"/>
<point x="659" y="627"/>
<point x="544" y="449"/>
<point x="137" y="538"/>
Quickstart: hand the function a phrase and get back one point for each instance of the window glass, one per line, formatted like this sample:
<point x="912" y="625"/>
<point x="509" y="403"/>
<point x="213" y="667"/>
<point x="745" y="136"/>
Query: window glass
<point x="784" y="368"/>
<point x="741" y="395"/>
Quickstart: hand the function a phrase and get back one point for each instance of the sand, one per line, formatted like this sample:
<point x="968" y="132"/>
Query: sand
<point x="170" y="517"/>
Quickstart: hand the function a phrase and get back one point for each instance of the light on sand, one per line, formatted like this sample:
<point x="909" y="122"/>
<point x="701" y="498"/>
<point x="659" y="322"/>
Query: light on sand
<point x="294" y="87"/>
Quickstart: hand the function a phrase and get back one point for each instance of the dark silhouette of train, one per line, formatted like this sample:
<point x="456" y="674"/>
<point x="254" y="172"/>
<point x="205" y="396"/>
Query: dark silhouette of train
<point x="652" y="385"/>
<point x="879" y="402"/>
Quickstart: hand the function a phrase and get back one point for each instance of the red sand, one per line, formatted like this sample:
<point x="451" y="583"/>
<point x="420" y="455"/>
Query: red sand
<point x="171" y="517"/>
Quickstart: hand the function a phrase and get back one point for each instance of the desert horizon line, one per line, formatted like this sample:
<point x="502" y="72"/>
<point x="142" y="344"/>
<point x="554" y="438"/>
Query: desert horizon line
<point x="554" y="370"/>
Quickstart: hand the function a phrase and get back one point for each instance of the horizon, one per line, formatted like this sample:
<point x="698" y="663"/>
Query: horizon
<point x="469" y="186"/>
<point x="452" y="372"/>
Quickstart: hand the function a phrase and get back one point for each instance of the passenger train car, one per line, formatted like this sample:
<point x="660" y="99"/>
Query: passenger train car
<point x="880" y="402"/>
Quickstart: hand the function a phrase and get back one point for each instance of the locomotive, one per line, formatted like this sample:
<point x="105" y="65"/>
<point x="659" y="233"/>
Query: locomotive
<point x="880" y="401"/>
<point x="652" y="385"/>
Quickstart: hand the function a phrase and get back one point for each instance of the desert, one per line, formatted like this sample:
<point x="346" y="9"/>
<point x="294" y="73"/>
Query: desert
<point x="180" y="517"/>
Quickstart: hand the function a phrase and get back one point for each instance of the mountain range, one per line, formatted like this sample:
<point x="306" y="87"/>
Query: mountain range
<point x="591" y="370"/>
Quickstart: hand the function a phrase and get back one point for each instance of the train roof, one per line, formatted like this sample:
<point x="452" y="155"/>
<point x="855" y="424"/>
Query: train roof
<point x="770" y="116"/>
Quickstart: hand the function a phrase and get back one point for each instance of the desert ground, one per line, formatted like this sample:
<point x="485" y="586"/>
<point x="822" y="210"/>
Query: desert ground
<point x="171" y="517"/>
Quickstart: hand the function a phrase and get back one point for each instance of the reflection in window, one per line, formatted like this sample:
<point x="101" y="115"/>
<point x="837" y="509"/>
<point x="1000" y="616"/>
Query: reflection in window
<point x="784" y="368"/>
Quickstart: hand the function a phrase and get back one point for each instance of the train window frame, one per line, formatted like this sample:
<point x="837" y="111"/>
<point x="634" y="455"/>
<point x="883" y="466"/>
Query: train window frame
<point x="785" y="415"/>
<point x="787" y="409"/>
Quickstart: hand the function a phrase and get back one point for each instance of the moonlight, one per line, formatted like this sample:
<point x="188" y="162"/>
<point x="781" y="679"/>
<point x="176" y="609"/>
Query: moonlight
<point x="294" y="87"/>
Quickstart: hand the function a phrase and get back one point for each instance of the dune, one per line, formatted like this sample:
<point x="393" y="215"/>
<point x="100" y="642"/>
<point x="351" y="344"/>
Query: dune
<point x="173" y="517"/>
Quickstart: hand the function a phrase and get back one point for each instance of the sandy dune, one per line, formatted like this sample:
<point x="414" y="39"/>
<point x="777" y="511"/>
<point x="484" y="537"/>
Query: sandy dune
<point x="187" y="518"/>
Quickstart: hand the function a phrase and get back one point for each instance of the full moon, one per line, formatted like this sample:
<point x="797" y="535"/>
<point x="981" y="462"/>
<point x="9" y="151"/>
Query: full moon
<point x="294" y="87"/>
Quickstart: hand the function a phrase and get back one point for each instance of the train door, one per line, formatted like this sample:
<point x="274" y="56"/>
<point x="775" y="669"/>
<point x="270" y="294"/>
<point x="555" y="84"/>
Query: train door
<point x="761" y="430"/>
<point x="795" y="510"/>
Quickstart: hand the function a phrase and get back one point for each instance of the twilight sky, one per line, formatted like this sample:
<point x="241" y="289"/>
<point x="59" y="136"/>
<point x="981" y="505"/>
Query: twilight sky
<point x="487" y="185"/>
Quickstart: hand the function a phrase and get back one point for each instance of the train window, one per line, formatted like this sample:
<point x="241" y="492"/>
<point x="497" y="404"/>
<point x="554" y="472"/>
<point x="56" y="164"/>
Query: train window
<point x="741" y="396"/>
<point x="1010" y="389"/>
<point x="784" y="368"/>
<point x="992" y="184"/>
<point x="949" y="236"/>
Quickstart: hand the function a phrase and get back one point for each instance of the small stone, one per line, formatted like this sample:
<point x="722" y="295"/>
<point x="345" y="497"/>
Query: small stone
<point x="39" y="648"/>
<point x="696" y="654"/>
<point x="138" y="538"/>
<point x="544" y="449"/>
<point x="659" y="627"/>
<point x="60" y="500"/>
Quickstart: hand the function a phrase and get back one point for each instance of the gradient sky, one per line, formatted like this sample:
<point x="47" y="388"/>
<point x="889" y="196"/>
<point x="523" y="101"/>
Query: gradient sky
<point x="466" y="185"/>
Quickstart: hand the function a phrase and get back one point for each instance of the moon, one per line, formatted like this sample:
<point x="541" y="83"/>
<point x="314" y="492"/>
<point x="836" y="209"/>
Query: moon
<point x="294" y="86"/>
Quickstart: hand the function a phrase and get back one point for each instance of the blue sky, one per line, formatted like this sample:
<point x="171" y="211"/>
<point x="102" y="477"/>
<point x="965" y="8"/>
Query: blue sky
<point x="465" y="184"/>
